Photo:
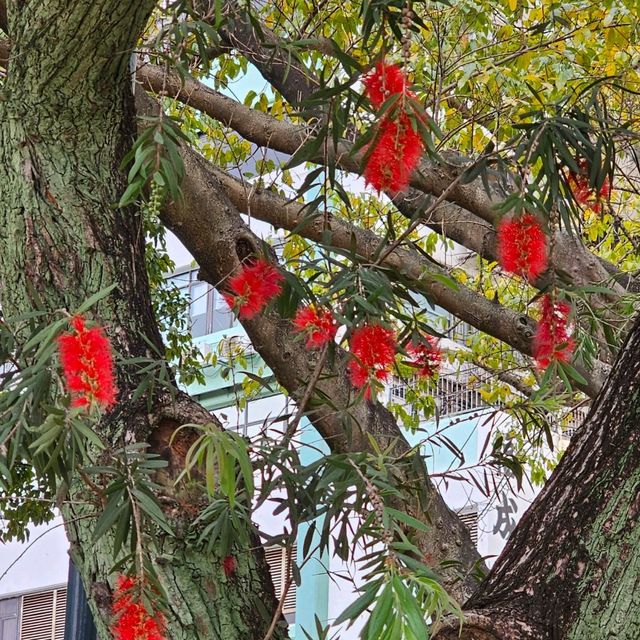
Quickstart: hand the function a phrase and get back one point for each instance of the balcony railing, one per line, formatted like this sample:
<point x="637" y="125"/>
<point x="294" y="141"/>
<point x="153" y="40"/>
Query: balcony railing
<point x="455" y="391"/>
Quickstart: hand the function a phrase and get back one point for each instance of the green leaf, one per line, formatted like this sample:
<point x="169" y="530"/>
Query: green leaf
<point x="308" y="151"/>
<point x="96" y="297"/>
<point x="406" y="519"/>
<point x="359" y="605"/>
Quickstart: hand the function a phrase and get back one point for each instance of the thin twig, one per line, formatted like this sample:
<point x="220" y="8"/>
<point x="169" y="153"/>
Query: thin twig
<point x="313" y="381"/>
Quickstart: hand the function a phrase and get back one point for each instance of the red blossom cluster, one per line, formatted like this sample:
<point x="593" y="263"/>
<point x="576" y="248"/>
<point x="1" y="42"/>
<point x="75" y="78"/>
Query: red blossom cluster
<point x="522" y="246"/>
<point x="256" y="284"/>
<point x="383" y="82"/>
<point x="87" y="365"/>
<point x="397" y="147"/>
<point x="229" y="566"/>
<point x="582" y="191"/>
<point x="318" y="325"/>
<point x="373" y="349"/>
<point x="426" y="357"/>
<point x="553" y="342"/>
<point x="132" y="620"/>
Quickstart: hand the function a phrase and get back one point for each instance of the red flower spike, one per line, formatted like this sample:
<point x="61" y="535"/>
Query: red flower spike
<point x="427" y="357"/>
<point x="522" y="246"/>
<point x="253" y="288"/>
<point x="383" y="81"/>
<point x="374" y="350"/>
<point x="132" y="620"/>
<point x="397" y="151"/>
<point x="583" y="193"/>
<point x="397" y="147"/>
<point x="553" y="341"/>
<point x="318" y="324"/>
<point x="87" y="365"/>
<point x="229" y="566"/>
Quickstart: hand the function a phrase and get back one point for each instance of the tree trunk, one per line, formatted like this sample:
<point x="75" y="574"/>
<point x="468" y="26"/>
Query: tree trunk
<point x="571" y="569"/>
<point x="67" y="119"/>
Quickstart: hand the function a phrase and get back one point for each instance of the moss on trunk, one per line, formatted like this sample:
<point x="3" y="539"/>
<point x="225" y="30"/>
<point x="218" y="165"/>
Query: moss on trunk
<point x="571" y="569"/>
<point x="66" y="121"/>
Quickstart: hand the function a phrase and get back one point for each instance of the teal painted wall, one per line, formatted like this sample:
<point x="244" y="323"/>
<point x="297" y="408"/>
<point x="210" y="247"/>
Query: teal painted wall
<point x="462" y="431"/>
<point x="459" y="430"/>
<point x="312" y="597"/>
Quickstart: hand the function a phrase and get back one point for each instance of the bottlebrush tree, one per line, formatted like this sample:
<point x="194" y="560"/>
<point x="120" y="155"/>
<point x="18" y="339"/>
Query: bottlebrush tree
<point x="477" y="158"/>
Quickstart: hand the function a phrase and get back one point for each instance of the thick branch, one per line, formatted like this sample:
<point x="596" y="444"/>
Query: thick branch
<point x="571" y="258"/>
<point x="212" y="229"/>
<point x="577" y="546"/>
<point x="425" y="276"/>
<point x="281" y="69"/>
<point x="467" y="218"/>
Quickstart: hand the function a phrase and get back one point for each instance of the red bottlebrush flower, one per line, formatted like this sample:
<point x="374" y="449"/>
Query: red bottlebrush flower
<point x="426" y="357"/>
<point x="397" y="147"/>
<point x="87" y="365"/>
<point x="383" y="81"/>
<point x="583" y="193"/>
<point x="605" y="189"/>
<point x="318" y="324"/>
<point x="374" y="350"/>
<point x="132" y="620"/>
<point x="253" y="287"/>
<point x="229" y="566"/>
<point x="396" y="153"/>
<point x="553" y="341"/>
<point x="579" y="185"/>
<point x="522" y="246"/>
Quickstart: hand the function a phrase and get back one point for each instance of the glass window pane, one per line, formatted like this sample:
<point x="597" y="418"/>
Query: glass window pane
<point x="181" y="280"/>
<point x="198" y="310"/>
<point x="223" y="317"/>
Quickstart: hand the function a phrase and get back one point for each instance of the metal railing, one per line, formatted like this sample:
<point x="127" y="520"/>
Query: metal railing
<point x="570" y="421"/>
<point x="455" y="391"/>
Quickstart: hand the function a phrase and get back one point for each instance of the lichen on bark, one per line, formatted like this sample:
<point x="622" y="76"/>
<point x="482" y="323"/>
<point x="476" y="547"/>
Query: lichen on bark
<point x="66" y="121"/>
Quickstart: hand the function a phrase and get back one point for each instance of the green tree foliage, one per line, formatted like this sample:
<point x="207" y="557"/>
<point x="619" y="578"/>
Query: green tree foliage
<point x="515" y="102"/>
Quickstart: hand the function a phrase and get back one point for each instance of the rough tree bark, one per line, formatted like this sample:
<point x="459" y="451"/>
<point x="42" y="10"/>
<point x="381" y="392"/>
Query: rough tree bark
<point x="571" y="568"/>
<point x="67" y="118"/>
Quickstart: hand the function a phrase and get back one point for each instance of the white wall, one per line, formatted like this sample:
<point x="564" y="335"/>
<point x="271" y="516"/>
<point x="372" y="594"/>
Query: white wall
<point x="41" y="563"/>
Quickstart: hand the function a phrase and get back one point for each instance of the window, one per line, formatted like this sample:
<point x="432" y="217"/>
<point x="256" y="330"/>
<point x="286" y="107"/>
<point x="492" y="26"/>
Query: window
<point x="398" y="390"/>
<point x="277" y="560"/>
<point x="571" y="421"/>
<point x="9" y="616"/>
<point x="256" y="416"/>
<point x="42" y="615"/>
<point x="455" y="392"/>
<point x="208" y="311"/>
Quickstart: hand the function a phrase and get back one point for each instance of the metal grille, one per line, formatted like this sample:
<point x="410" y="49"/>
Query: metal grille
<point x="469" y="515"/>
<point x="277" y="560"/>
<point x="571" y="421"/>
<point x="42" y="615"/>
<point x="455" y="392"/>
